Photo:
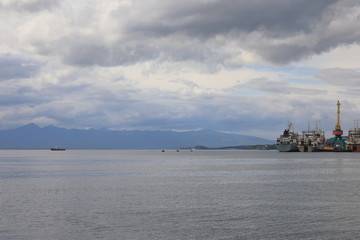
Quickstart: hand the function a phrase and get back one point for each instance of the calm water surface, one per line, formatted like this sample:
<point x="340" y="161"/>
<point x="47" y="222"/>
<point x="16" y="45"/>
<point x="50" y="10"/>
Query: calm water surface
<point x="148" y="194"/>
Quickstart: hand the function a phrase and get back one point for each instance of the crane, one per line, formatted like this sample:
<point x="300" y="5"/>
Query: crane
<point x="338" y="132"/>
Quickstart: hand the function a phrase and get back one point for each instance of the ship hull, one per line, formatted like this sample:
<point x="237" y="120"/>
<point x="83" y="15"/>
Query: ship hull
<point x="307" y="148"/>
<point x="287" y="147"/>
<point x="335" y="150"/>
<point x="353" y="147"/>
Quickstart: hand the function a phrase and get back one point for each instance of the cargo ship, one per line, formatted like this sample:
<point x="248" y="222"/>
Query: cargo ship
<point x="287" y="142"/>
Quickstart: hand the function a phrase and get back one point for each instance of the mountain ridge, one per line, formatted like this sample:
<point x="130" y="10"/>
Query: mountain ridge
<point x="31" y="136"/>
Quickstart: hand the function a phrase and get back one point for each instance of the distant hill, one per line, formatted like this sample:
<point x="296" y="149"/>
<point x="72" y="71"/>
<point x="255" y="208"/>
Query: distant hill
<point x="32" y="136"/>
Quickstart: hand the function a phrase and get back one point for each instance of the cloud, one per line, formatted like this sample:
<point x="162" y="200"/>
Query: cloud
<point x="275" y="87"/>
<point x="28" y="5"/>
<point x="270" y="29"/>
<point x="211" y="18"/>
<point x="15" y="67"/>
<point x="91" y="50"/>
<point x="187" y="83"/>
<point x="274" y="31"/>
<point x="340" y="77"/>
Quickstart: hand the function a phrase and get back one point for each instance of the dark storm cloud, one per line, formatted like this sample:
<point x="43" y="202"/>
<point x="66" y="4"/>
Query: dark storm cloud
<point x="277" y="31"/>
<point x="283" y="53"/>
<point x="273" y="21"/>
<point x="207" y="19"/>
<point x="13" y="68"/>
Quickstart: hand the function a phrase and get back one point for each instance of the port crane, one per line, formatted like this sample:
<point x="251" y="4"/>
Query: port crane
<point x="338" y="132"/>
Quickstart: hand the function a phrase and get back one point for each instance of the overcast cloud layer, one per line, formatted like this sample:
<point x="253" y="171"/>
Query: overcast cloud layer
<point x="240" y="66"/>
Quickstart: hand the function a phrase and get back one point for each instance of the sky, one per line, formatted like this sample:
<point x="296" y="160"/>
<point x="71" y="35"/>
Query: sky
<point x="237" y="66"/>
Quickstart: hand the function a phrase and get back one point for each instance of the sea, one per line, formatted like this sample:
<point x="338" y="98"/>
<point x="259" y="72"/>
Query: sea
<point x="201" y="194"/>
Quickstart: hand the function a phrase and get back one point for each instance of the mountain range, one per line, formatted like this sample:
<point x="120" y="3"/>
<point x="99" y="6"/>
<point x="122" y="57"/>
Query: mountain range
<point x="32" y="136"/>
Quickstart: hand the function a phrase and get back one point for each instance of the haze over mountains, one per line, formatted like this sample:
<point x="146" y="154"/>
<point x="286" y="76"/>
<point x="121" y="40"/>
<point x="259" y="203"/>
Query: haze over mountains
<point x="32" y="136"/>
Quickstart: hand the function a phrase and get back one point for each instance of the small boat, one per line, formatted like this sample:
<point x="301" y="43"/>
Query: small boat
<point x="57" y="149"/>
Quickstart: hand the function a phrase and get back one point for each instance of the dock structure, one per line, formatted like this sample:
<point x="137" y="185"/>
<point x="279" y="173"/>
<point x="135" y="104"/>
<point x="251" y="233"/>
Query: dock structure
<point x="314" y="141"/>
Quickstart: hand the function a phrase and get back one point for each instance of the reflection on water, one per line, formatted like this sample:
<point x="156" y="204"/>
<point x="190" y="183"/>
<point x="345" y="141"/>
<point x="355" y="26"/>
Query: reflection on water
<point x="107" y="194"/>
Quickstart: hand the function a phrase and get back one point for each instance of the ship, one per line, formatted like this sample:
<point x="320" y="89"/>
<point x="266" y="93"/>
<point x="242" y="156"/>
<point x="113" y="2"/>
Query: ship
<point x="311" y="141"/>
<point x="287" y="142"/>
<point x="57" y="149"/>
<point x="353" y="141"/>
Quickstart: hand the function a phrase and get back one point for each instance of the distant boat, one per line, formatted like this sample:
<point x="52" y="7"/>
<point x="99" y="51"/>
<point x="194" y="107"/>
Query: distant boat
<point x="57" y="149"/>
